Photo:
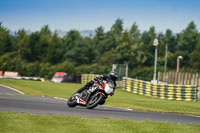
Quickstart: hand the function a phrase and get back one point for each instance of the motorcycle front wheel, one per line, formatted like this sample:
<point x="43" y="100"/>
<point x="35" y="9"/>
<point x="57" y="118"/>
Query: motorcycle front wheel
<point x="94" y="101"/>
<point x="72" y="101"/>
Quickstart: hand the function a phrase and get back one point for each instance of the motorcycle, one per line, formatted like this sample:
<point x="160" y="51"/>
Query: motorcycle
<point x="93" y="96"/>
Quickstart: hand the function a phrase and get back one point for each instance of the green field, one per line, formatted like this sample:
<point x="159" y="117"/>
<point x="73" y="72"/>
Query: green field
<point x="120" y="99"/>
<point x="34" y="123"/>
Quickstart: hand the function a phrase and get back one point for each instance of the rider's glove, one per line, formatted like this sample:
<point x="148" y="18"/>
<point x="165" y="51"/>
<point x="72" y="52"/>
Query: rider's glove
<point x="96" y="78"/>
<point x="104" y="77"/>
<point x="90" y="83"/>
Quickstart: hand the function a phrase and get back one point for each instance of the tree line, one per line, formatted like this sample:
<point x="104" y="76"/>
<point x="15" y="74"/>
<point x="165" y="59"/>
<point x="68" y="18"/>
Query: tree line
<point x="42" y="53"/>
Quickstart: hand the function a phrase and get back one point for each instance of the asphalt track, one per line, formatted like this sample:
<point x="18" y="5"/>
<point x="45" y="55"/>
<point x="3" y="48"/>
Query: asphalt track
<point x="13" y="101"/>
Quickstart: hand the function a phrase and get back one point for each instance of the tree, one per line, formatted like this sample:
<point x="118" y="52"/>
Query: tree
<point x="78" y="54"/>
<point x="123" y="50"/>
<point x="195" y="57"/>
<point x="110" y="40"/>
<point x="24" y="50"/>
<point x="65" y="66"/>
<point x="71" y="40"/>
<point x="44" y="42"/>
<point x="5" y="42"/>
<point x="109" y="43"/>
<point x="134" y="33"/>
<point x="55" y="50"/>
<point x="98" y="42"/>
<point x="170" y="40"/>
<point x="77" y="49"/>
<point x="9" y="61"/>
<point x="186" y="43"/>
<point x="99" y="37"/>
<point x="92" y="53"/>
<point x="34" y="39"/>
<point x="117" y="28"/>
<point x="146" y="47"/>
<point x="41" y="53"/>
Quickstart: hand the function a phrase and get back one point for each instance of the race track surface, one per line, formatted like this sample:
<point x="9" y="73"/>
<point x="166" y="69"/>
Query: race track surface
<point x="12" y="101"/>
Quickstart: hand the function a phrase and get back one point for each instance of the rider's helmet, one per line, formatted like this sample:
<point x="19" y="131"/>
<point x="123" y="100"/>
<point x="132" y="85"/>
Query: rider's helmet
<point x="113" y="76"/>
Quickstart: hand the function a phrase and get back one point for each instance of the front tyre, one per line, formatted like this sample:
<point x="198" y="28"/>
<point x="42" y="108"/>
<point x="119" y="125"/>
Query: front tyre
<point x="94" y="101"/>
<point x="72" y="102"/>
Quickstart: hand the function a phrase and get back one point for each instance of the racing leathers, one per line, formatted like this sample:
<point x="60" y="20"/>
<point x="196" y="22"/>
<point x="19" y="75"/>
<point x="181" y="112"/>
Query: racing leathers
<point x="90" y="83"/>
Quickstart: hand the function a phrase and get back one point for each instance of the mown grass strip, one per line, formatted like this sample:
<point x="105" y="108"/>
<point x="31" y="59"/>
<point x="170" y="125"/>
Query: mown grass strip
<point x="35" y="123"/>
<point x="120" y="99"/>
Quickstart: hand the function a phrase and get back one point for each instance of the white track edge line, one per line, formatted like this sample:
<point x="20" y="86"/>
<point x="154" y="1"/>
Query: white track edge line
<point x="60" y="98"/>
<point x="193" y="115"/>
<point x="118" y="107"/>
<point x="103" y="105"/>
<point x="12" y="89"/>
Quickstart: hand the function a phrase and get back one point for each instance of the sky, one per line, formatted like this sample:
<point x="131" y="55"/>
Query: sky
<point x="90" y="14"/>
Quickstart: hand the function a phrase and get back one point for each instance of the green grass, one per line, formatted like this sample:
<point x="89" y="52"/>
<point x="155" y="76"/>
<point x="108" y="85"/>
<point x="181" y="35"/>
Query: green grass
<point x="34" y="123"/>
<point x="36" y="88"/>
<point x="120" y="99"/>
<point x="139" y="102"/>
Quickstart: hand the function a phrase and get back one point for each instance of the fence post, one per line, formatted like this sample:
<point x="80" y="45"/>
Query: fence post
<point x="186" y="78"/>
<point x="179" y="78"/>
<point x="174" y="77"/>
<point x="190" y="75"/>
<point x="167" y="77"/>
<point x="193" y="79"/>
<point x="198" y="88"/>
<point x="197" y="85"/>
<point x="171" y="78"/>
<point x="183" y="77"/>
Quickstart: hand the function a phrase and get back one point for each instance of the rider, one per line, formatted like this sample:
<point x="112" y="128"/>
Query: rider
<point x="111" y="76"/>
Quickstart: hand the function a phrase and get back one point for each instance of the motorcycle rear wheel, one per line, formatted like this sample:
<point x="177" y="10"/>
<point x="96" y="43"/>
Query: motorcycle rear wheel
<point x="94" y="101"/>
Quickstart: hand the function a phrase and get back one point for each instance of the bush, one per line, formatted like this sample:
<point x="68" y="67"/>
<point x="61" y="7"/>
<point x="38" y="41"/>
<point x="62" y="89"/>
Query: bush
<point x="9" y="61"/>
<point x="143" y="73"/>
<point x="45" y="70"/>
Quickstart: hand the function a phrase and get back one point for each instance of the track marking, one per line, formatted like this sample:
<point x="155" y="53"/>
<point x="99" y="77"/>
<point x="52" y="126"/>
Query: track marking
<point x="12" y="89"/>
<point x="61" y="98"/>
<point x="118" y="107"/>
<point x="102" y="105"/>
<point x="193" y="115"/>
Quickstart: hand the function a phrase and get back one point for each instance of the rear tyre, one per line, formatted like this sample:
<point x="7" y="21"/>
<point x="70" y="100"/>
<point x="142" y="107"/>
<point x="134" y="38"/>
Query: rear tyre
<point x="94" y="101"/>
<point x="72" y="102"/>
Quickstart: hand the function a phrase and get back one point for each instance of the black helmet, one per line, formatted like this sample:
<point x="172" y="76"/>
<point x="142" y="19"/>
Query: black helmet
<point x="113" y="76"/>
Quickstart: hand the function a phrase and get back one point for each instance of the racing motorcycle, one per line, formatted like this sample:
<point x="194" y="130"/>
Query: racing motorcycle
<point x="93" y="96"/>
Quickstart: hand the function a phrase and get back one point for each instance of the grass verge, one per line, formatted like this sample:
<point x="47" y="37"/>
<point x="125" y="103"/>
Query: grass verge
<point x="35" y="123"/>
<point x="36" y="88"/>
<point x="120" y="99"/>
